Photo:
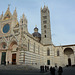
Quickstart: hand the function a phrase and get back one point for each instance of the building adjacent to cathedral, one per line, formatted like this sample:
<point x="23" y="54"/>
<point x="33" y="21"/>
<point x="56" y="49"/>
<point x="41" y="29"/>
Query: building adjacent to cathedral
<point x="18" y="46"/>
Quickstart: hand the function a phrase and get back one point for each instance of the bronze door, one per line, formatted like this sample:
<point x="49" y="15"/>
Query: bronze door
<point x="3" y="58"/>
<point x="14" y="59"/>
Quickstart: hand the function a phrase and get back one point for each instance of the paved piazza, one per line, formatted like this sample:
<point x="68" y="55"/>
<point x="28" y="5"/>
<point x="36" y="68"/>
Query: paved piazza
<point x="14" y="70"/>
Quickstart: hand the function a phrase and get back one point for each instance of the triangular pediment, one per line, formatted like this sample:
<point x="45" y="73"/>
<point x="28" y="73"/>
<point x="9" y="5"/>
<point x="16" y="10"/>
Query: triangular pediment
<point x="7" y="15"/>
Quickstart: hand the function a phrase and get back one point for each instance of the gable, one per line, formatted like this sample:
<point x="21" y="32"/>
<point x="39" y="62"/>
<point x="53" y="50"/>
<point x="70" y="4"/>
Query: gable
<point x="7" y="15"/>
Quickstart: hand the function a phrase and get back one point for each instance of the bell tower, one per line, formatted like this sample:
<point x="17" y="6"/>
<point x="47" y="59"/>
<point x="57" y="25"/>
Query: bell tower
<point x="45" y="26"/>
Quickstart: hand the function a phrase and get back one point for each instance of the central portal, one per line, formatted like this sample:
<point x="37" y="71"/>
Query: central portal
<point x="14" y="59"/>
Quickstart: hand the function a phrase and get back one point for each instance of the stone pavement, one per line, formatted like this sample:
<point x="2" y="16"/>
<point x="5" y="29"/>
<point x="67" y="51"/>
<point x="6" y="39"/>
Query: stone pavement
<point x="23" y="70"/>
<point x="66" y="71"/>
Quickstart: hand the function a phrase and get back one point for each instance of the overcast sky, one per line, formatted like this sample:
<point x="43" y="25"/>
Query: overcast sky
<point x="62" y="17"/>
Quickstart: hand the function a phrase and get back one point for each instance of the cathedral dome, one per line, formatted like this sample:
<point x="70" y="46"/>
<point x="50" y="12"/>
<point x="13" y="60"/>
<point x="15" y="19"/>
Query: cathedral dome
<point x="36" y="34"/>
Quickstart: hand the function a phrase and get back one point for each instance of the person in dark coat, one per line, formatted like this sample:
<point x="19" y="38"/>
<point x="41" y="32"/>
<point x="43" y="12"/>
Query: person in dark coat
<point x="45" y="68"/>
<point x="40" y="68"/>
<point x="51" y="70"/>
<point x="60" y="70"/>
<point x="5" y="63"/>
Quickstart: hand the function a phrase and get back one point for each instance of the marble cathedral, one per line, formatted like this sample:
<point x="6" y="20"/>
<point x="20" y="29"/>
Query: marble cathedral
<point x="19" y="47"/>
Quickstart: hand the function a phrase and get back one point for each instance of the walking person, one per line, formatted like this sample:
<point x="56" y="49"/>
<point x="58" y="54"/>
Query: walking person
<point x="51" y="70"/>
<point x="60" y="70"/>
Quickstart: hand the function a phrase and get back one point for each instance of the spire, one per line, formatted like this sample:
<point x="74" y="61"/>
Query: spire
<point x="15" y="13"/>
<point x="8" y="6"/>
<point x="44" y="6"/>
<point x="2" y="14"/>
<point x="23" y="20"/>
<point x="23" y="16"/>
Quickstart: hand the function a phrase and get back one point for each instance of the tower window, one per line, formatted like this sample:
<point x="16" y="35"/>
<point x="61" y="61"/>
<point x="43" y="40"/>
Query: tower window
<point x="48" y="62"/>
<point x="48" y="52"/>
<point x="45" y="31"/>
<point x="45" y="36"/>
<point x="44" y="26"/>
<point x="57" y="53"/>
<point x="44" y="22"/>
<point x="45" y="17"/>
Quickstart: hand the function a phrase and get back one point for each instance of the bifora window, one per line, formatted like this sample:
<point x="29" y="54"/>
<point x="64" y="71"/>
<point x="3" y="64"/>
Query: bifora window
<point x="44" y="22"/>
<point x="6" y="28"/>
<point x="45" y="17"/>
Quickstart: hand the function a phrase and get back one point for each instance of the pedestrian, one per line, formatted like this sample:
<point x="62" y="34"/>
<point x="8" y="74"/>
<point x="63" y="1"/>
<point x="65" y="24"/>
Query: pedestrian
<point x="40" y="68"/>
<point x="60" y="70"/>
<point x="8" y="62"/>
<point x="5" y="63"/>
<point x="51" y="70"/>
<point x="45" y="68"/>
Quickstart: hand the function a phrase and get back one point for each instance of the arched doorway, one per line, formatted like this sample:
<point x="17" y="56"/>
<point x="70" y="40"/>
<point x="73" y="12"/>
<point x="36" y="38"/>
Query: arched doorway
<point x="13" y="47"/>
<point x="3" y="53"/>
<point x="68" y="52"/>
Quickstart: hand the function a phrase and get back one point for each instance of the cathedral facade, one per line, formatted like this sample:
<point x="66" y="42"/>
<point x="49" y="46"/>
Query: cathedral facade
<point x="19" y="47"/>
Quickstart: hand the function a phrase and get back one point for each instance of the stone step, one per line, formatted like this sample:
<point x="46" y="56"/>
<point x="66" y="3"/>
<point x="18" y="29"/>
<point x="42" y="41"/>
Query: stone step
<point x="17" y="67"/>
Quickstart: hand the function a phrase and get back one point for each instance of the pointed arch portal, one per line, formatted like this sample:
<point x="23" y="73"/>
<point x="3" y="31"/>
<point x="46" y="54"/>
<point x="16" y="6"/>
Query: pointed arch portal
<point x="68" y="52"/>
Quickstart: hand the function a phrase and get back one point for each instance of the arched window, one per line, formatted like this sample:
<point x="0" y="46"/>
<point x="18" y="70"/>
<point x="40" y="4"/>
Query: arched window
<point x="3" y="45"/>
<point x="48" y="52"/>
<point x="45" y="31"/>
<point x="38" y="49"/>
<point x="34" y="47"/>
<point x="44" y="26"/>
<point x="58" y="53"/>
<point x="45" y="36"/>
<point x="28" y="44"/>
